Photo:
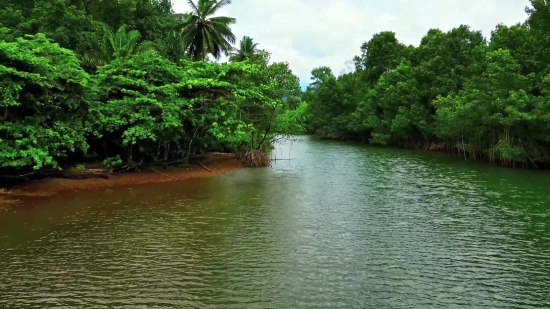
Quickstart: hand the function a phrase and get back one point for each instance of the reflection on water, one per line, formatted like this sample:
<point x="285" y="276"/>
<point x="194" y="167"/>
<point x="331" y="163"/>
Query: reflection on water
<point x="340" y="226"/>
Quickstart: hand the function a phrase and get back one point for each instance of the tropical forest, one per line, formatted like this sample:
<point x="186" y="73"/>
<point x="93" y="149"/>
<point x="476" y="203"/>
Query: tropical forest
<point x="128" y="82"/>
<point x="274" y="154"/>
<point x="457" y="91"/>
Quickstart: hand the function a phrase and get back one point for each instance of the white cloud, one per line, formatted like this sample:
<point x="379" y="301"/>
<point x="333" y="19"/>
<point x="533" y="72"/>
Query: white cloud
<point x="312" y="33"/>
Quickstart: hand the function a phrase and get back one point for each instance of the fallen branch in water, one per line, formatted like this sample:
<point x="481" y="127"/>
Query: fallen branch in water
<point x="154" y="170"/>
<point x="206" y="168"/>
<point x="119" y="170"/>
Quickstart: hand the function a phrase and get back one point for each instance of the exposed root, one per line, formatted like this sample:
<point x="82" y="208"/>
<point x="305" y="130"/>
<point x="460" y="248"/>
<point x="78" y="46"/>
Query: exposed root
<point x="255" y="158"/>
<point x="435" y="146"/>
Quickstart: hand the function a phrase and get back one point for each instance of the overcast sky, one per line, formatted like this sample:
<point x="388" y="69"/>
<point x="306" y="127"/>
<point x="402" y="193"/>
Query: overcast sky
<point x="312" y="33"/>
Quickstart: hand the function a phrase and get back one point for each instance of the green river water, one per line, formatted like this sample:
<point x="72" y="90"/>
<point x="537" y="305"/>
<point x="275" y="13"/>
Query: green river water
<point x="340" y="226"/>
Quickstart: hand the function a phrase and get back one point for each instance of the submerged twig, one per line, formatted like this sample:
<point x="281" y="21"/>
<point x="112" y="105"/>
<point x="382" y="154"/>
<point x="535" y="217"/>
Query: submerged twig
<point x="206" y="168"/>
<point x="154" y="170"/>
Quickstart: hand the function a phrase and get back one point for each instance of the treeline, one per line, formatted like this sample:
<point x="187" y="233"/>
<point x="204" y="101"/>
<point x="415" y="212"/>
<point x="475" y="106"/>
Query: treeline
<point x="129" y="81"/>
<point x="454" y="92"/>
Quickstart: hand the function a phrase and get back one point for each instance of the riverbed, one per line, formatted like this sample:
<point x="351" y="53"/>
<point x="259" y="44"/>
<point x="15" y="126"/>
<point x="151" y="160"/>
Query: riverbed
<point x="339" y="225"/>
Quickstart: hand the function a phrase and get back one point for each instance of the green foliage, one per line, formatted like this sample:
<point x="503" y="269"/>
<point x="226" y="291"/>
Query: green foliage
<point x="64" y="23"/>
<point x="380" y="55"/>
<point x="454" y="92"/>
<point x="152" y="104"/>
<point x="43" y="91"/>
<point x="247" y="49"/>
<point x="137" y="97"/>
<point x="135" y="94"/>
<point x="291" y="122"/>
<point x="201" y="34"/>
<point x="121" y="44"/>
<point x="112" y="162"/>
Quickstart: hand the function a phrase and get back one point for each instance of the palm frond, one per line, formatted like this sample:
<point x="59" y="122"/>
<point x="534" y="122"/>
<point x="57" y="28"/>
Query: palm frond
<point x="131" y="41"/>
<point x="117" y="45"/>
<point x="247" y="49"/>
<point x="218" y="5"/>
<point x="94" y="58"/>
<point x="210" y="43"/>
<point x="120" y="37"/>
<point x="200" y="35"/>
<point x="225" y="32"/>
<point x="195" y="9"/>
<point x="223" y="20"/>
<point x="146" y="47"/>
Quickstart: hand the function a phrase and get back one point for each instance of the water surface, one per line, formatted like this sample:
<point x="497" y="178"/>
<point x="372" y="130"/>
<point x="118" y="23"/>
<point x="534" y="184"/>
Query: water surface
<point x="339" y="226"/>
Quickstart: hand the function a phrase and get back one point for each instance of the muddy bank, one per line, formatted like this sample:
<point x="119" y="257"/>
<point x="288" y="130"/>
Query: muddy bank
<point x="216" y="164"/>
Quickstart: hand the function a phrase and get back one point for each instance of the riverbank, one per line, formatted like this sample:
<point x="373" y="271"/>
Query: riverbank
<point x="216" y="164"/>
<point x="443" y="147"/>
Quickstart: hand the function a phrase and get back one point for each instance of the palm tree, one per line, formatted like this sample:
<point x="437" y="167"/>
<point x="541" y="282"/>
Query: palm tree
<point x="202" y="35"/>
<point x="123" y="43"/>
<point x="246" y="50"/>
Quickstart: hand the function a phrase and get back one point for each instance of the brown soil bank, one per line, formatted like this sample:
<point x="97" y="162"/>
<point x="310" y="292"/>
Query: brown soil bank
<point x="216" y="163"/>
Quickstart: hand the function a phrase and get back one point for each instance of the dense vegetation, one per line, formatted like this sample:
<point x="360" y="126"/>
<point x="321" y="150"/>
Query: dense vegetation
<point x="129" y="81"/>
<point x="454" y="92"/>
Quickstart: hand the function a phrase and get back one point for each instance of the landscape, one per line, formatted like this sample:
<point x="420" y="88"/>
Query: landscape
<point x="154" y="158"/>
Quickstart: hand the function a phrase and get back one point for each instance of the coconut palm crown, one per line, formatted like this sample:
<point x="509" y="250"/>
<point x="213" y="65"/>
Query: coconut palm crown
<point x="247" y="49"/>
<point x="201" y="34"/>
<point x="123" y="43"/>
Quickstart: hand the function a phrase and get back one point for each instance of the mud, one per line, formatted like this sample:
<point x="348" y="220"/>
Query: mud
<point x="216" y="163"/>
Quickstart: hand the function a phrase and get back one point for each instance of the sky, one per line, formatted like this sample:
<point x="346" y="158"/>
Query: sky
<point x="313" y="33"/>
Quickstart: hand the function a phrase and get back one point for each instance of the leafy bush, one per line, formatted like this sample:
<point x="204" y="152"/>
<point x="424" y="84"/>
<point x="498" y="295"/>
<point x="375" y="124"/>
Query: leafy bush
<point x="43" y="94"/>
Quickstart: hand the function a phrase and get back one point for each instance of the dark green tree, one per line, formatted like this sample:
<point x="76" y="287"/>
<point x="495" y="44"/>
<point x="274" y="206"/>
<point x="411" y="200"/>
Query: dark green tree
<point x="247" y="49"/>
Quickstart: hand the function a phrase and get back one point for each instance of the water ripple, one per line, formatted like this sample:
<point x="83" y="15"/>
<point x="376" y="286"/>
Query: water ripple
<point x="342" y="226"/>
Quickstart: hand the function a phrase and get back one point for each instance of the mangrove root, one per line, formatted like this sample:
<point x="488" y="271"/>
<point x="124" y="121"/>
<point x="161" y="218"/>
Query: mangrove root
<point x="255" y="158"/>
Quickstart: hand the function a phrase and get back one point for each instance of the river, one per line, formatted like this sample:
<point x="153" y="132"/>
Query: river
<point x="338" y="226"/>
